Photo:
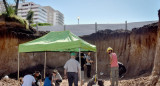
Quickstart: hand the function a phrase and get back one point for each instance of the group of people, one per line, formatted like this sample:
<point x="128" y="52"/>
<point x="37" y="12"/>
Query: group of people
<point x="72" y="68"/>
<point x="51" y="79"/>
<point x="72" y="71"/>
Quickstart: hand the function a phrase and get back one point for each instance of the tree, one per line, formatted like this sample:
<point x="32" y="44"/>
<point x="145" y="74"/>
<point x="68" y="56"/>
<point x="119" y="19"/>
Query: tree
<point x="17" y="3"/>
<point x="16" y="7"/>
<point x="30" y="17"/>
<point x="6" y="5"/>
<point x="16" y="10"/>
<point x="9" y="9"/>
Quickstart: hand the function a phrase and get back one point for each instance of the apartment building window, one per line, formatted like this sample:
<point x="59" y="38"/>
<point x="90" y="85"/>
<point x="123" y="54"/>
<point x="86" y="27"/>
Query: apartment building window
<point x="35" y="18"/>
<point x="35" y="14"/>
<point x="25" y="5"/>
<point x="43" y="10"/>
<point x="25" y="9"/>
<point x="24" y="16"/>
<point x="34" y="7"/>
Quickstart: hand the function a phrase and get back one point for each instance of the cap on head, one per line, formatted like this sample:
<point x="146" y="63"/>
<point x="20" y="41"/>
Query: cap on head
<point x="55" y="71"/>
<point x="108" y="49"/>
<point x="73" y="54"/>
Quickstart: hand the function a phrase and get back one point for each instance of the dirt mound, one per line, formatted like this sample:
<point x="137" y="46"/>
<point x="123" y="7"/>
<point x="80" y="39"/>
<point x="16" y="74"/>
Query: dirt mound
<point x="9" y="82"/>
<point x="142" y="81"/>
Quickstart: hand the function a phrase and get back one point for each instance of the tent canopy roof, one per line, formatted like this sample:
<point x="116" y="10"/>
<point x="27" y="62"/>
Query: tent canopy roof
<point x="62" y="41"/>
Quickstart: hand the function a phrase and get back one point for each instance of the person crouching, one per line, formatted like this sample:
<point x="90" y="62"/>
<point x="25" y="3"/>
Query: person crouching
<point x="56" y="78"/>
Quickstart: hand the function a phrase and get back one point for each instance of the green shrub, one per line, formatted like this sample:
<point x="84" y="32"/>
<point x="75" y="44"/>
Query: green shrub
<point x="16" y="18"/>
<point x="41" y="24"/>
<point x="11" y="10"/>
<point x="21" y="20"/>
<point x="30" y="16"/>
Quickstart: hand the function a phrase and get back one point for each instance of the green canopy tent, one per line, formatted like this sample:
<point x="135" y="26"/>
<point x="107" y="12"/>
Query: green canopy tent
<point x="62" y="41"/>
<point x="57" y="41"/>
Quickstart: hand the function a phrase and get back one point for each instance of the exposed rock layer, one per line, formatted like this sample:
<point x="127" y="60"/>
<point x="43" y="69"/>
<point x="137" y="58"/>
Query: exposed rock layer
<point x="135" y="49"/>
<point x="155" y="79"/>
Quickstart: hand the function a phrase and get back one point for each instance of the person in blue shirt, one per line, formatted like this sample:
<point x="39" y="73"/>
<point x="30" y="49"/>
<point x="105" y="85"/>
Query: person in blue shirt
<point x="47" y="81"/>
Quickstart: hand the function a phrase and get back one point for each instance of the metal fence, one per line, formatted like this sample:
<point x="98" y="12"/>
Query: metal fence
<point x="86" y="29"/>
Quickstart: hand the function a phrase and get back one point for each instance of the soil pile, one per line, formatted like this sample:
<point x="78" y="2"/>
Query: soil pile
<point x="142" y="81"/>
<point x="9" y="82"/>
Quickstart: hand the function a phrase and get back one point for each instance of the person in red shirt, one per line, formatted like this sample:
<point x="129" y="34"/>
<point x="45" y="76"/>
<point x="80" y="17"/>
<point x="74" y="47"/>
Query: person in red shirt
<point x="114" y="67"/>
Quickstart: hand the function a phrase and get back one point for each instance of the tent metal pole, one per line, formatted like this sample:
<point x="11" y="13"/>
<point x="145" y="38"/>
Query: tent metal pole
<point x="18" y="67"/>
<point x="96" y="67"/>
<point x="96" y="62"/>
<point x="45" y="63"/>
<point x="96" y="75"/>
<point x="80" y="68"/>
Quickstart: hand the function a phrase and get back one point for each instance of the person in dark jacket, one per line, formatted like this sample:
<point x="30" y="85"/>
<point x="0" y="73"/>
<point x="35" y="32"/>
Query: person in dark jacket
<point x="83" y="64"/>
<point x="122" y="70"/>
<point x="88" y="64"/>
<point x="38" y="78"/>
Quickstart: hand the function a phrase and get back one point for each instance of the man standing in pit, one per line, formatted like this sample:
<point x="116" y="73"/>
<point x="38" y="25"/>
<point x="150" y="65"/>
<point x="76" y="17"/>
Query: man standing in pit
<point x="114" y="67"/>
<point x="72" y="70"/>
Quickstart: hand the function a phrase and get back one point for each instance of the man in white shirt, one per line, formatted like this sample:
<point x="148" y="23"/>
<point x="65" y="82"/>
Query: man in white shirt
<point x="72" y="70"/>
<point x="28" y="80"/>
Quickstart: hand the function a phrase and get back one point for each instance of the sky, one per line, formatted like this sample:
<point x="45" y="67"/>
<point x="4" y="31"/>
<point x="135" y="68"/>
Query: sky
<point x="104" y="11"/>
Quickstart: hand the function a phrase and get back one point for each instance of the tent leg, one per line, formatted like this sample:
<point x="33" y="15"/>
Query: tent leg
<point x="96" y="67"/>
<point x="80" y="68"/>
<point x="18" y="67"/>
<point x="45" y="63"/>
<point x="96" y="62"/>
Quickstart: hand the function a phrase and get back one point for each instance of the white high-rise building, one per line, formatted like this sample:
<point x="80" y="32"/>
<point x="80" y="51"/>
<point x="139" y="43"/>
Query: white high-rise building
<point x="2" y="8"/>
<point x="50" y="14"/>
<point x="58" y="18"/>
<point x="54" y="16"/>
<point x="40" y="13"/>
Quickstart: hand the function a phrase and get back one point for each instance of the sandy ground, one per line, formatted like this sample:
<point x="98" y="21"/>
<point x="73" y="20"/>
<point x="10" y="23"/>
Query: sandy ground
<point x="141" y="81"/>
